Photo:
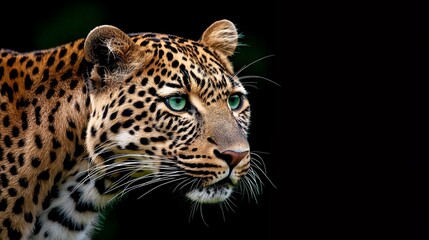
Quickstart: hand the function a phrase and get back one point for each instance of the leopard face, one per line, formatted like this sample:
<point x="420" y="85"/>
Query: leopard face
<point x="167" y="110"/>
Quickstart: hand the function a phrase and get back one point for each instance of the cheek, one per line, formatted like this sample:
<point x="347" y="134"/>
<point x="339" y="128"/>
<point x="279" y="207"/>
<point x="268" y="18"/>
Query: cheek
<point x="92" y="136"/>
<point x="124" y="138"/>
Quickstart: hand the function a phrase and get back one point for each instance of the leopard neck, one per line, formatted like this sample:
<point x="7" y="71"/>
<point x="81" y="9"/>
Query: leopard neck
<point x="45" y="100"/>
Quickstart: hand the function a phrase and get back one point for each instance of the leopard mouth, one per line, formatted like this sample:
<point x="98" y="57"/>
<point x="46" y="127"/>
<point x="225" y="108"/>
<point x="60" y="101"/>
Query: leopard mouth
<point x="214" y="193"/>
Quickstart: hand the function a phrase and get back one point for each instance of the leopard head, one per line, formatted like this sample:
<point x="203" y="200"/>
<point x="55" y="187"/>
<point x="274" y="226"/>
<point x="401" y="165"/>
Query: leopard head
<point x="168" y="110"/>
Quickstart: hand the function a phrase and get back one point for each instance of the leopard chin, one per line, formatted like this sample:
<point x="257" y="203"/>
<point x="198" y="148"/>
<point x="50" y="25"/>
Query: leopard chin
<point x="211" y="194"/>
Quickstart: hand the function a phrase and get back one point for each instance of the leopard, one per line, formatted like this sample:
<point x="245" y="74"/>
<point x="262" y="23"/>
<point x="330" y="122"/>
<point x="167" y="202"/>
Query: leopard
<point x="84" y="123"/>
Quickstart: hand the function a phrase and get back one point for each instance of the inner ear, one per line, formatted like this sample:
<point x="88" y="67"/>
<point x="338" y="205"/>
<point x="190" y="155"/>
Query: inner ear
<point x="221" y="35"/>
<point x="108" y="46"/>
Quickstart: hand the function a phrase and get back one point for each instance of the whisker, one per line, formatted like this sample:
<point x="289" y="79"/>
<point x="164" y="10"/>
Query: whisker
<point x="128" y="189"/>
<point x="120" y="182"/>
<point x="263" y="173"/>
<point x="229" y="204"/>
<point x="157" y="178"/>
<point x="257" y="159"/>
<point x="160" y="185"/>
<point x="246" y="66"/>
<point x="194" y="207"/>
<point x="221" y="209"/>
<point x="260" y="77"/>
<point x="182" y="184"/>
<point x="202" y="215"/>
<point x="248" y="188"/>
<point x="101" y="170"/>
<point x="196" y="183"/>
<point x="250" y="84"/>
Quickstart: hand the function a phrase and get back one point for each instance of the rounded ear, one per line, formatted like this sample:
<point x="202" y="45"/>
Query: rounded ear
<point x="108" y="46"/>
<point x="221" y="35"/>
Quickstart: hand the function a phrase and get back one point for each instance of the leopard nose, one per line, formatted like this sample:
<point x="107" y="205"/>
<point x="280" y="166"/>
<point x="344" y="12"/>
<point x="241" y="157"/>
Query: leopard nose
<point x="231" y="157"/>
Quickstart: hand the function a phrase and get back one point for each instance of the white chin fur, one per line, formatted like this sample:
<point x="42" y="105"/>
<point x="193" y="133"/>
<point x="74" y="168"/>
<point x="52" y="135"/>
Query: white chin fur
<point x="210" y="194"/>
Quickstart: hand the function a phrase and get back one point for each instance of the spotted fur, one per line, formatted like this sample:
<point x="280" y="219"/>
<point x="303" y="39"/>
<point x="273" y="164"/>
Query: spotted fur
<point x="86" y="122"/>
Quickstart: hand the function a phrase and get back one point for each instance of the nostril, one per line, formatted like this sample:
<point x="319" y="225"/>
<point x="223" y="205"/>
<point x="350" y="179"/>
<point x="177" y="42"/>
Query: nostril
<point x="231" y="157"/>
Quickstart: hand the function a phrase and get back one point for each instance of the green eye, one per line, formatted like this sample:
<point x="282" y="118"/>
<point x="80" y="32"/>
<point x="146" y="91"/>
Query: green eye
<point x="176" y="103"/>
<point x="234" y="101"/>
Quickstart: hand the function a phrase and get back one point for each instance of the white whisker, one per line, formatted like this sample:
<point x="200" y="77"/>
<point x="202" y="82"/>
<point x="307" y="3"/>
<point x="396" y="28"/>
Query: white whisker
<point x="157" y="186"/>
<point x="263" y="173"/>
<point x="258" y="160"/>
<point x="246" y="66"/>
<point x="250" y="84"/>
<point x="260" y="77"/>
<point x="194" y="207"/>
<point x="248" y="188"/>
<point x="229" y="204"/>
<point x="182" y="184"/>
<point x="221" y="209"/>
<point x="202" y="216"/>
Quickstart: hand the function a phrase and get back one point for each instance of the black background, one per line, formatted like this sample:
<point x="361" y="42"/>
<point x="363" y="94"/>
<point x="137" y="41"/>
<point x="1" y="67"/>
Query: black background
<point x="288" y="121"/>
<point x="417" y="120"/>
